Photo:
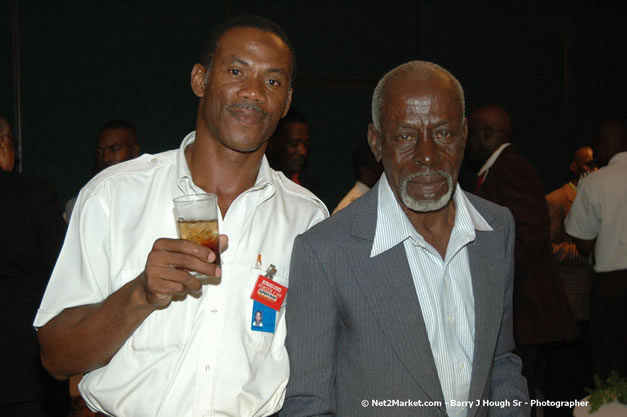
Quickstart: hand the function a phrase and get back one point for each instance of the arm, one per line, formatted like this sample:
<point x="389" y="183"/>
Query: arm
<point x="311" y="336"/>
<point x="584" y="246"/>
<point x="564" y="250"/>
<point x="518" y="188"/>
<point x="507" y="381"/>
<point x="50" y="226"/>
<point x="86" y="337"/>
<point x="584" y="221"/>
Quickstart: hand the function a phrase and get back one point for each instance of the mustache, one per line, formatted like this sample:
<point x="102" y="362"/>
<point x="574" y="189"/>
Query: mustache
<point x="244" y="105"/>
<point x="428" y="173"/>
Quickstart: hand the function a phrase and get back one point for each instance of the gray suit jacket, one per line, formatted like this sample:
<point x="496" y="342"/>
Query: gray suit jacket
<point x="356" y="332"/>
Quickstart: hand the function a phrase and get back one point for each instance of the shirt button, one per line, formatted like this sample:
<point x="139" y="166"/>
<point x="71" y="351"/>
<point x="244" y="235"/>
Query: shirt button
<point x="461" y="365"/>
<point x="207" y="368"/>
<point x="449" y="318"/>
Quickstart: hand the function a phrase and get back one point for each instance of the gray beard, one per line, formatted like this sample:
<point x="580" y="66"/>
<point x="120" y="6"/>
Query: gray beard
<point x="428" y="204"/>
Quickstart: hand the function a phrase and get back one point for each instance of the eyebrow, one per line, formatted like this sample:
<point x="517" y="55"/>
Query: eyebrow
<point x="238" y="60"/>
<point x="274" y="70"/>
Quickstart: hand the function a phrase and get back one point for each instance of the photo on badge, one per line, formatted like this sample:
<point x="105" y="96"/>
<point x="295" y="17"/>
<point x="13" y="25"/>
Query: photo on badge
<point x="263" y="318"/>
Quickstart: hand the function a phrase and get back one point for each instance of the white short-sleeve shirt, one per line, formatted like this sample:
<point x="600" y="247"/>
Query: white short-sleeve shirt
<point x="198" y="356"/>
<point x="600" y="211"/>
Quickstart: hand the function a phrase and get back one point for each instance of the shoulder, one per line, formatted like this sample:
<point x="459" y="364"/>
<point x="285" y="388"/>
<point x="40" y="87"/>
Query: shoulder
<point x="29" y="186"/>
<point x="486" y="207"/>
<point x="296" y="195"/>
<point x="557" y="196"/>
<point x="143" y="168"/>
<point x="511" y="160"/>
<point x="354" y="219"/>
<point x="491" y="212"/>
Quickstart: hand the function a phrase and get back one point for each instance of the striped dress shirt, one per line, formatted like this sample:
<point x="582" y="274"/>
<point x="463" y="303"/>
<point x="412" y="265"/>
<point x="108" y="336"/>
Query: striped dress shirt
<point x="443" y="286"/>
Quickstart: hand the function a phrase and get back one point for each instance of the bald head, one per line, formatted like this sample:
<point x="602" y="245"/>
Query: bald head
<point x="610" y="139"/>
<point x="583" y="163"/>
<point x="488" y="128"/>
<point x="422" y="71"/>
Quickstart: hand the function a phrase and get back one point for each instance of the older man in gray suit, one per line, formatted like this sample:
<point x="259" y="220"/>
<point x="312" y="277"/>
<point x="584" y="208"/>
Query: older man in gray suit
<point x="401" y="304"/>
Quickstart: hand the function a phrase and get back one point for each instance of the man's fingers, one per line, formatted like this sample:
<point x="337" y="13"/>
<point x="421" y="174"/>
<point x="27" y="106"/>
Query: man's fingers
<point x="164" y="282"/>
<point x="181" y="246"/>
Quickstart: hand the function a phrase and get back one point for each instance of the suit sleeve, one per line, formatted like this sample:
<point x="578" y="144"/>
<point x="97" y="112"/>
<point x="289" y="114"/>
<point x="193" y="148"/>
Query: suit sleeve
<point x="311" y="318"/>
<point x="50" y="226"/>
<point x="507" y="381"/>
<point x="519" y="189"/>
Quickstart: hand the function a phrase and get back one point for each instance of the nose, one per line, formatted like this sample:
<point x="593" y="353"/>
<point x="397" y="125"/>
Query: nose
<point x="253" y="90"/>
<point x="301" y="149"/>
<point x="107" y="155"/>
<point x="424" y="151"/>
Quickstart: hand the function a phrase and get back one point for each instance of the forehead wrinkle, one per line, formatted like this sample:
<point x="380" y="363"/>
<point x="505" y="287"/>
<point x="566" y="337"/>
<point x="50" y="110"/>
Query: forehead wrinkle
<point x="419" y="104"/>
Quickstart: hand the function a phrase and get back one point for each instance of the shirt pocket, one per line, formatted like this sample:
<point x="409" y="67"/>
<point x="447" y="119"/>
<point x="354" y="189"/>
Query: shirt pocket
<point x="166" y="328"/>
<point x="259" y="342"/>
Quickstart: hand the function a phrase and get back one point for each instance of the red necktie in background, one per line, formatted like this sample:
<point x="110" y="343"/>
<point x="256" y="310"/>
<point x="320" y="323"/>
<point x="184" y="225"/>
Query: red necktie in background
<point x="480" y="180"/>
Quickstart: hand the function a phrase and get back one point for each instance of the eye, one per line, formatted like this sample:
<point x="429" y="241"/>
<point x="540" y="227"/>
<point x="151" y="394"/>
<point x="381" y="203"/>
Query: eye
<point x="444" y="135"/>
<point x="234" y="71"/>
<point x="404" y="137"/>
<point x="274" y="83"/>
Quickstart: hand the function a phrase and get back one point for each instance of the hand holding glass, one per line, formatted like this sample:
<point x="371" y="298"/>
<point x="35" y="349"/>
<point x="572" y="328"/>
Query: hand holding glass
<point x="197" y="221"/>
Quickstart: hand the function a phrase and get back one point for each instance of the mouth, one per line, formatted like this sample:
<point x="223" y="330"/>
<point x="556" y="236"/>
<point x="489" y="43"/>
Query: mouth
<point x="430" y="190"/>
<point x="429" y="185"/>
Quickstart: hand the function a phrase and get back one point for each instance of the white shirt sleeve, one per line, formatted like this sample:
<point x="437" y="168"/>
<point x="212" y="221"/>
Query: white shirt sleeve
<point x="584" y="219"/>
<point x="81" y="273"/>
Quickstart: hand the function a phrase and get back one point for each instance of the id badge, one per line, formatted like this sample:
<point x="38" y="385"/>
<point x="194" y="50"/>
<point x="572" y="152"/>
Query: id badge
<point x="263" y="319"/>
<point x="269" y="293"/>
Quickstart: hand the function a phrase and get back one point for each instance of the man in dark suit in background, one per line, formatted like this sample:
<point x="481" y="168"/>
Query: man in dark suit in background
<point x="541" y="311"/>
<point x="405" y="295"/>
<point x="31" y="234"/>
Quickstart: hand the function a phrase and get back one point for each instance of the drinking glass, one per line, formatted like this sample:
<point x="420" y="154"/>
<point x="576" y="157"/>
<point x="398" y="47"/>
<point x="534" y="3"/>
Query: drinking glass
<point x="197" y="220"/>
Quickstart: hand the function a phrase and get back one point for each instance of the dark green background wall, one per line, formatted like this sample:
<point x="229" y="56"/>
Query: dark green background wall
<point x="559" y="69"/>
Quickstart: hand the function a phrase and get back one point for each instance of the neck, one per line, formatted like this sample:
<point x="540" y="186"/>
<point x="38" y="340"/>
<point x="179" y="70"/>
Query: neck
<point x="222" y="171"/>
<point x="434" y="226"/>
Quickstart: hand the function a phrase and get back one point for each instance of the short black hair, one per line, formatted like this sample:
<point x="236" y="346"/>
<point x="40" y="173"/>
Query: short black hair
<point x="292" y="116"/>
<point x="210" y="44"/>
<point x="120" y="124"/>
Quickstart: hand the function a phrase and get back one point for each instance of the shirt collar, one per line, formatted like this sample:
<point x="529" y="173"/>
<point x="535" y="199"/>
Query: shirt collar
<point x="363" y="188"/>
<point x="492" y="159"/>
<point x="185" y="183"/>
<point x="393" y="226"/>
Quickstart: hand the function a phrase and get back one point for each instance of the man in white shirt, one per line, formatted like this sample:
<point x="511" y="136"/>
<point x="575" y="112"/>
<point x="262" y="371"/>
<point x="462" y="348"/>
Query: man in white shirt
<point x="401" y="303"/>
<point x="597" y="223"/>
<point x="122" y="307"/>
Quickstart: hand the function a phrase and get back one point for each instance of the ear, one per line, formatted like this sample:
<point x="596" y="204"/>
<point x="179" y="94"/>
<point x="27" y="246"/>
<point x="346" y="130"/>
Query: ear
<point x="465" y="131"/>
<point x="573" y="167"/>
<point x="374" y="140"/>
<point x="136" y="150"/>
<point x="5" y="157"/>
<point x="198" y="80"/>
<point x="288" y="102"/>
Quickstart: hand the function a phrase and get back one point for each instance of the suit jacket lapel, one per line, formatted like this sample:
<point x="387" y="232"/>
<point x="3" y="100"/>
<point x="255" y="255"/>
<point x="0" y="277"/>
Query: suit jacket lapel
<point x="387" y="285"/>
<point x="487" y="289"/>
